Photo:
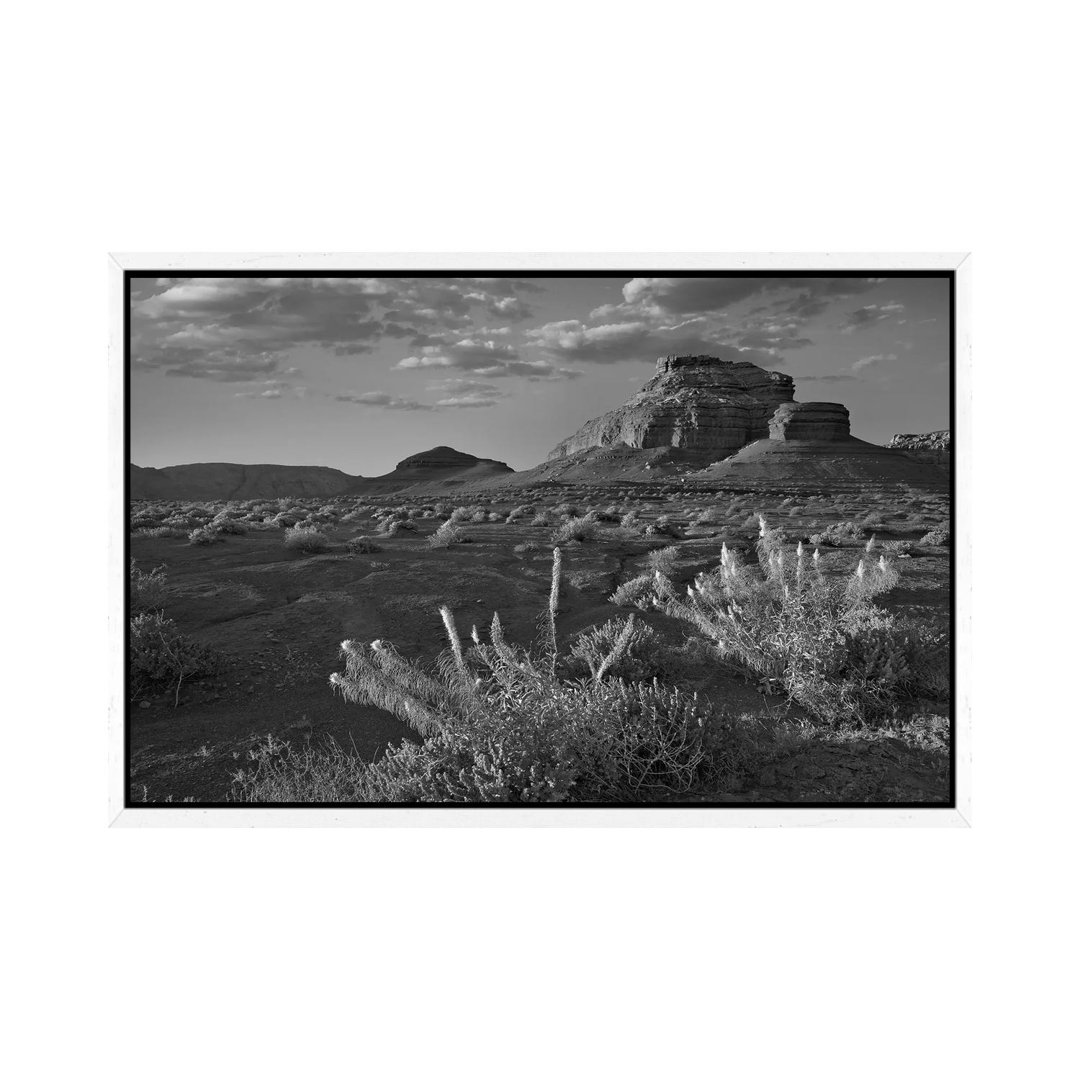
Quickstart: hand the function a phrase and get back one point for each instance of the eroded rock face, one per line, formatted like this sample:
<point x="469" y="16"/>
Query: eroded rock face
<point x="932" y="447"/>
<point x="810" y="421"/>
<point x="691" y="403"/>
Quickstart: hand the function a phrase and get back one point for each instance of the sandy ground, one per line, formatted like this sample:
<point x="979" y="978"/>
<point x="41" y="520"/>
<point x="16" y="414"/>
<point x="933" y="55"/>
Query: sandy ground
<point x="275" y="619"/>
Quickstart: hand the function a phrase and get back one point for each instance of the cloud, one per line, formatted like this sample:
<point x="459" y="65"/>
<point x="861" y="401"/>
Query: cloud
<point x="466" y="394"/>
<point x="237" y="329"/>
<point x="862" y="317"/>
<point x="871" y="361"/>
<point x="467" y="401"/>
<point x="825" y="378"/>
<point x="664" y="315"/>
<point x="275" y="388"/>
<point x="572" y="340"/>
<point x="468" y="354"/>
<point x="700" y="295"/>
<point x="381" y="400"/>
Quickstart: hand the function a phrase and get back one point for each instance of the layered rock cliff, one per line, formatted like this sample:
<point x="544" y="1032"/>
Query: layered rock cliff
<point x="932" y="447"/>
<point x="696" y="403"/>
<point x="810" y="421"/>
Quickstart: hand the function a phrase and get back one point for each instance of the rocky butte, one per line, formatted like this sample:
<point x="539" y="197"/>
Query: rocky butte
<point x="698" y="403"/>
<point x="732" y="421"/>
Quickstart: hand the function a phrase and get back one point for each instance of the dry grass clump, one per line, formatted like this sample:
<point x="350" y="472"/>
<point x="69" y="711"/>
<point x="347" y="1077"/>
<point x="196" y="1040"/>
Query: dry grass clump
<point x="580" y="529"/>
<point x="663" y="560"/>
<point x="205" y="534"/>
<point x="447" y="534"/>
<point x="940" y="536"/>
<point x="839" y="534"/>
<point x="146" y="590"/>
<point x="393" y="526"/>
<point x="712" y="516"/>
<point x="362" y="545"/>
<point x="638" y="592"/>
<point x="306" y="539"/>
<point x="163" y="532"/>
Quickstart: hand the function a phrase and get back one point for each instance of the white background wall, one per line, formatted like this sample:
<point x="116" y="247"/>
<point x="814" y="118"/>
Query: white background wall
<point x="567" y="126"/>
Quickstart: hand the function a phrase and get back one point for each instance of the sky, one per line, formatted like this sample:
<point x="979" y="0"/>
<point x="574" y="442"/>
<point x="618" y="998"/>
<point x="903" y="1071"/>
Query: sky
<point x="358" y="373"/>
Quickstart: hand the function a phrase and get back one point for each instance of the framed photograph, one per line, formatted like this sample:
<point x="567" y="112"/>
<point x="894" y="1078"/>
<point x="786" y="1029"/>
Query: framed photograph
<point x="551" y="540"/>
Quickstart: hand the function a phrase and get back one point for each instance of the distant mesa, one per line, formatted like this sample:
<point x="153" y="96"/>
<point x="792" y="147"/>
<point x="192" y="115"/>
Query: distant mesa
<point x="440" y="467"/>
<point x="225" y="480"/>
<point x="446" y="457"/>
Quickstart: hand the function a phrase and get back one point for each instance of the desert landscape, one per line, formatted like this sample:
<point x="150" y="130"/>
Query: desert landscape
<point x="710" y="594"/>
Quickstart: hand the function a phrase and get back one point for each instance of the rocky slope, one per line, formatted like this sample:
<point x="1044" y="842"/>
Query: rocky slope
<point x="695" y="403"/>
<point x="931" y="448"/>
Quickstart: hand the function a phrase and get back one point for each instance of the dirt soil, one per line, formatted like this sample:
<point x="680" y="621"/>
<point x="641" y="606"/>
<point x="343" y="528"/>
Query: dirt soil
<point x="274" y="620"/>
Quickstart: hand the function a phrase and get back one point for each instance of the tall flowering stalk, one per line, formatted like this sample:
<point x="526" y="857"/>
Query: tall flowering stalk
<point x="787" y="624"/>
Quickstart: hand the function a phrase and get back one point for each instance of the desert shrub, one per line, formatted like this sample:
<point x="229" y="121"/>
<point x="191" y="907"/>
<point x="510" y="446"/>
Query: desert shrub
<point x="712" y="516"/>
<point x="160" y="655"/>
<point x="392" y="526"/>
<point x="544" y="518"/>
<point x="637" y="592"/>
<point x="163" y="532"/>
<point x="663" y="560"/>
<point x="873" y="520"/>
<point x="466" y="513"/>
<point x="518" y="513"/>
<point x="630" y="520"/>
<point x="838" y="534"/>
<point x="501" y="724"/>
<point x="527" y="547"/>
<point x="362" y="545"/>
<point x="447" y="534"/>
<point x="580" y="529"/>
<point x="941" y="536"/>
<point x="306" y="539"/>
<point x="899" y="548"/>
<point x="147" y="590"/>
<point x="631" y="650"/>
<point x="205" y="534"/>
<point x="229" y="526"/>
<point x="820" y="640"/>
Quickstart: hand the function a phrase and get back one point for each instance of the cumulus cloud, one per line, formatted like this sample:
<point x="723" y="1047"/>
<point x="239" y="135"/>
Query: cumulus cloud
<point x="236" y="329"/>
<point x="868" y="315"/>
<point x="613" y="342"/>
<point x="381" y="400"/>
<point x="664" y="315"/>
<point x="468" y="354"/>
<point x="275" y="388"/>
<point x="867" y="362"/>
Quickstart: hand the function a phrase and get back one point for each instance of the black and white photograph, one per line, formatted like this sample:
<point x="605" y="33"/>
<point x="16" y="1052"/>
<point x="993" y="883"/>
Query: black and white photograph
<point x="539" y="540"/>
<point x="548" y="538"/>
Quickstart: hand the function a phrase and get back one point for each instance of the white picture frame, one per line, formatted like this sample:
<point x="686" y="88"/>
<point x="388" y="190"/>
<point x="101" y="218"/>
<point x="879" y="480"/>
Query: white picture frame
<point x="180" y="815"/>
